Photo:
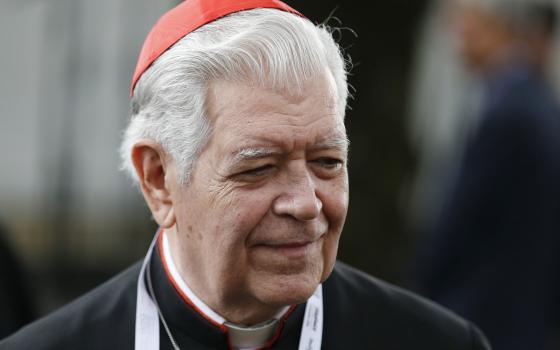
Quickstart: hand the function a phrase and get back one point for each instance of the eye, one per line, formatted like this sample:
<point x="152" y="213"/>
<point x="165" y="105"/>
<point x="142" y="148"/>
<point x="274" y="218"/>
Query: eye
<point x="257" y="172"/>
<point x="328" y="163"/>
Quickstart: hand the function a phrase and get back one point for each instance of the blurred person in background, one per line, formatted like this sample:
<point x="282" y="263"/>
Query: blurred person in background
<point x="493" y="254"/>
<point x="16" y="306"/>
<point x="237" y="142"/>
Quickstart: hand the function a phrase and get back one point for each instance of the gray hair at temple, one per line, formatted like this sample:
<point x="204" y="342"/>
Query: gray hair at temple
<point x="263" y="47"/>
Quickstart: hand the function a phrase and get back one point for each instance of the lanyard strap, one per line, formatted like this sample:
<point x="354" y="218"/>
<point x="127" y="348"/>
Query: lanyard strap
<point x="147" y="317"/>
<point x="312" y="329"/>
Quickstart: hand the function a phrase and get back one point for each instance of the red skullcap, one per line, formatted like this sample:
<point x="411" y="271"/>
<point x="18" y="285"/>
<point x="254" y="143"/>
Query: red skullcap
<point x="185" y="18"/>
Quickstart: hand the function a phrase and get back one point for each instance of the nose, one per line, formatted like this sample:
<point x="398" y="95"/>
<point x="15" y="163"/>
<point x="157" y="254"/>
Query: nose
<point x="299" y="199"/>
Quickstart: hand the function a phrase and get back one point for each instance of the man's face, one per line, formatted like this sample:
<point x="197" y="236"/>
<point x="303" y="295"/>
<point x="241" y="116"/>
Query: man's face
<point x="478" y="33"/>
<point x="260" y="220"/>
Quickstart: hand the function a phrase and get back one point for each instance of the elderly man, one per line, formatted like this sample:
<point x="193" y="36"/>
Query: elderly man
<point x="238" y="144"/>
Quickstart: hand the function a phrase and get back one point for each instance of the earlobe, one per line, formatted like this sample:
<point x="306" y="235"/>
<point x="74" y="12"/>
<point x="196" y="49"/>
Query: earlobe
<point x="151" y="168"/>
<point x="169" y="219"/>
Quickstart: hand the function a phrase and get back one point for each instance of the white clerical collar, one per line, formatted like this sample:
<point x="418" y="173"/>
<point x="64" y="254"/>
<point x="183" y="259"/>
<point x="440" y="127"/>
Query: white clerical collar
<point x="241" y="337"/>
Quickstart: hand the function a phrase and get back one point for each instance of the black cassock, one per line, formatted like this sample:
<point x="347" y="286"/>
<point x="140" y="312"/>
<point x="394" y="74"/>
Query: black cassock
<point x="360" y="312"/>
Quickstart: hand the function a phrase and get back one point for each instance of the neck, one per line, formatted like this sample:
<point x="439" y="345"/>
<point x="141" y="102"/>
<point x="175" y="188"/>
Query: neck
<point x="239" y="312"/>
<point x="245" y="317"/>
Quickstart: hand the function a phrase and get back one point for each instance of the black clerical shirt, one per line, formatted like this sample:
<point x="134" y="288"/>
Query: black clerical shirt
<point x="360" y="312"/>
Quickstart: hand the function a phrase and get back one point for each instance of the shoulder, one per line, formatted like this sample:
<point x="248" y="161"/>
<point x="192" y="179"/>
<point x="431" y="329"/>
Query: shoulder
<point x="107" y="310"/>
<point x="385" y="316"/>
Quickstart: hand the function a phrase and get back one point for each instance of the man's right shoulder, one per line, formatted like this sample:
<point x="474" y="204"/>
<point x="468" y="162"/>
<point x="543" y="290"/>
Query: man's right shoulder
<point x="99" y="319"/>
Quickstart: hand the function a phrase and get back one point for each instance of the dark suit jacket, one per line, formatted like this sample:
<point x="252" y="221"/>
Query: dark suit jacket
<point x="15" y="303"/>
<point x="360" y="312"/>
<point x="494" y="254"/>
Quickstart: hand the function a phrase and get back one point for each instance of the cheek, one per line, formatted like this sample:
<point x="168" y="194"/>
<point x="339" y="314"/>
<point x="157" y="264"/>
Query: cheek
<point x="244" y="211"/>
<point x="330" y="249"/>
<point x="334" y="197"/>
<point x="335" y="207"/>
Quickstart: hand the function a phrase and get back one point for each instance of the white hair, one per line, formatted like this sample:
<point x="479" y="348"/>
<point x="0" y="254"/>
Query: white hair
<point x="268" y="47"/>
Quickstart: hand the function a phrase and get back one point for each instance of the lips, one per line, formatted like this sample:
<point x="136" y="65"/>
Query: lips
<point x="293" y="241"/>
<point x="286" y="245"/>
<point x="288" y="249"/>
<point x="283" y="241"/>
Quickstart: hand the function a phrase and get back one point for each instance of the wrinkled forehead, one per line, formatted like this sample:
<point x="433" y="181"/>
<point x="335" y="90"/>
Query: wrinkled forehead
<point x="253" y="96"/>
<point x="249" y="119"/>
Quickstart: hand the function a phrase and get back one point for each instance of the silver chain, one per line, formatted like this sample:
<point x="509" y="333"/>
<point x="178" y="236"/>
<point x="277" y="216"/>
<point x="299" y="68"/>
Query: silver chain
<point x="152" y="294"/>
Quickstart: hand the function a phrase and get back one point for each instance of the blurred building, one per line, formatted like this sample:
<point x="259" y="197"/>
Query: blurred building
<point x="444" y="102"/>
<point x="66" y="66"/>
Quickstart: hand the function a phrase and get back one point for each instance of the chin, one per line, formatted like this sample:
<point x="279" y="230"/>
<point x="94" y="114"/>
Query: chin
<point x="288" y="290"/>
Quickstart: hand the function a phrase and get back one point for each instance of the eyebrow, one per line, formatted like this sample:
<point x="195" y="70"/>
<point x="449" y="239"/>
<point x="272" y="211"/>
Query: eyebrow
<point x="338" y="143"/>
<point x="252" y="153"/>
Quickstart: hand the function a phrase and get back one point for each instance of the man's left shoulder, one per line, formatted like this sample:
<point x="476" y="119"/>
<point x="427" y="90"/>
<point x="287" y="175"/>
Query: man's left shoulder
<point x="379" y="314"/>
<point x="101" y="318"/>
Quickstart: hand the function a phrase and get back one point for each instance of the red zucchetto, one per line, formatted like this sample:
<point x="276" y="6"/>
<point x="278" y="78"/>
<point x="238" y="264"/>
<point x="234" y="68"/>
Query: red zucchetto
<point x="187" y="17"/>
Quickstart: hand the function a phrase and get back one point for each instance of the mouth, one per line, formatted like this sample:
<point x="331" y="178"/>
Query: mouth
<point x="289" y="249"/>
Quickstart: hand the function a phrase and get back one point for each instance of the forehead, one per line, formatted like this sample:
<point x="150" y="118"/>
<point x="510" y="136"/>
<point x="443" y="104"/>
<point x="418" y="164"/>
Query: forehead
<point x="245" y="115"/>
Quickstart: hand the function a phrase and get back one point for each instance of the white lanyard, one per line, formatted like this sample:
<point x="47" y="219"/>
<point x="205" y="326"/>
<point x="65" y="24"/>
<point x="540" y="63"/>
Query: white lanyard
<point x="312" y="329"/>
<point x="147" y="317"/>
<point x="146" y="336"/>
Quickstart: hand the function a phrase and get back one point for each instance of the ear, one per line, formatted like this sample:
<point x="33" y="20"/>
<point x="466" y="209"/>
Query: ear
<point x="154" y="170"/>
